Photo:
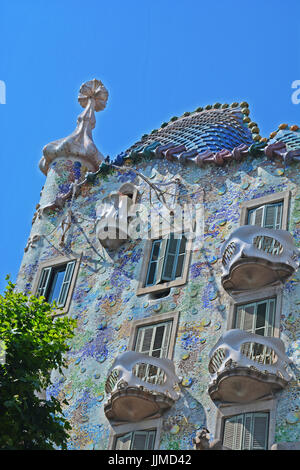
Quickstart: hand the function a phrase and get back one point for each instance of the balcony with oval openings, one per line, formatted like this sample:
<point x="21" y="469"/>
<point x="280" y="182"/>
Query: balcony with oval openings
<point x="246" y="366"/>
<point x="114" y="215"/>
<point x="255" y="257"/>
<point x="139" y="387"/>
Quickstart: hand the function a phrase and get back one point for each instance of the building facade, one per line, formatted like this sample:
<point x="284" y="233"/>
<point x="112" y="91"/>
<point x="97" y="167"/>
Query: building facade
<point x="179" y="259"/>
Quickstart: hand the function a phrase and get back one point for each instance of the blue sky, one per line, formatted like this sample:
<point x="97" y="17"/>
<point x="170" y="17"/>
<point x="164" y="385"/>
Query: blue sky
<point x="157" y="58"/>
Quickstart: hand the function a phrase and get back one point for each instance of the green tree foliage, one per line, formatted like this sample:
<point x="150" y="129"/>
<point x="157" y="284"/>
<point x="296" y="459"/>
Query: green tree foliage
<point x="35" y="343"/>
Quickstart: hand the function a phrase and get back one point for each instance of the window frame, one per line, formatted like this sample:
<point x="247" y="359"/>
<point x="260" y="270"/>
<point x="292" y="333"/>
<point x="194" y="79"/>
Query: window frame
<point x="142" y="289"/>
<point x="273" y="198"/>
<point x="265" y="405"/>
<point x="254" y="326"/>
<point x="119" y="429"/>
<point x="264" y="208"/>
<point x="155" y="320"/>
<point x="55" y="263"/>
<point x="259" y="295"/>
<point x="243" y="434"/>
<point x="117" y="436"/>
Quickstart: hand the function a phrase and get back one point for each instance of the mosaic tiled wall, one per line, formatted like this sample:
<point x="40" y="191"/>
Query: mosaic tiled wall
<point x="105" y="302"/>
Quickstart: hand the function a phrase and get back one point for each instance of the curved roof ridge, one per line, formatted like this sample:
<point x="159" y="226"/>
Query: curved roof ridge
<point x="214" y="127"/>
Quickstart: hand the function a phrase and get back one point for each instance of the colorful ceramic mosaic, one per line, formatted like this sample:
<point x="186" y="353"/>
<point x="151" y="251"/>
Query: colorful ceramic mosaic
<point x="104" y="299"/>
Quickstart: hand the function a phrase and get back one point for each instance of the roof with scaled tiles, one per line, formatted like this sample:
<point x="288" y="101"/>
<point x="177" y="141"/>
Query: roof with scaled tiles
<point x="290" y="135"/>
<point x="214" y="134"/>
<point x="214" y="127"/>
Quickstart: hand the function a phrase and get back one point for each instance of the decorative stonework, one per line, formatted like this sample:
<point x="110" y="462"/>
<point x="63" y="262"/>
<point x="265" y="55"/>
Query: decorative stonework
<point x="139" y="387"/>
<point x="126" y="362"/>
<point x="254" y="257"/>
<point x="104" y="299"/>
<point x="201" y="442"/>
<point x="114" y="216"/>
<point x="79" y="145"/>
<point x="245" y="366"/>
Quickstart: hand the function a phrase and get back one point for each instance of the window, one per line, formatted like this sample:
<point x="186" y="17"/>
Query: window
<point x="257" y="317"/>
<point x="136" y="440"/>
<point x="153" y="340"/>
<point x="269" y="211"/>
<point x="56" y="281"/>
<point x="154" y="335"/>
<point x="165" y="263"/>
<point x="248" y="431"/>
<point x="270" y="216"/>
<point x="166" y="260"/>
<point x="267" y="215"/>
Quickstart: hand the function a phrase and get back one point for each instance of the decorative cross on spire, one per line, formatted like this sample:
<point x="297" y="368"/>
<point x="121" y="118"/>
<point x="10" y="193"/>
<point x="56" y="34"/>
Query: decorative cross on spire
<point x="95" y="92"/>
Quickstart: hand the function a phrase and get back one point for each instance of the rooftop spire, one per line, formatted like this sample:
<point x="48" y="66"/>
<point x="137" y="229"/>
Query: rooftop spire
<point x="92" y="97"/>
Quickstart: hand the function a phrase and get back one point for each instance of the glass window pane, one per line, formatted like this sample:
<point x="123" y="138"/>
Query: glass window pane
<point x="273" y="215"/>
<point x="44" y="280"/>
<point x="250" y="220"/>
<point x="156" y="353"/>
<point x="151" y="274"/>
<point x="151" y="439"/>
<point x="182" y="245"/>
<point x="179" y="266"/>
<point x="260" y="431"/>
<point x="261" y="315"/>
<point x="257" y="317"/>
<point x="146" y="346"/>
<point x="271" y="319"/>
<point x="279" y="216"/>
<point x="159" y="337"/>
<point x="270" y="216"/>
<point x="172" y="245"/>
<point x="139" y="441"/>
<point x="168" y="268"/>
<point x="249" y="311"/>
<point x="255" y="216"/>
<point x="56" y="283"/>
<point x="155" y="250"/>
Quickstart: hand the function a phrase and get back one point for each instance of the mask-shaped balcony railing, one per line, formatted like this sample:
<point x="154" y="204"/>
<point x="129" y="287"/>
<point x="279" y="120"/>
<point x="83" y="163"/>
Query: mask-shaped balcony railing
<point x="139" y="387"/>
<point x="245" y="366"/>
<point x="255" y="257"/>
<point x="114" y="216"/>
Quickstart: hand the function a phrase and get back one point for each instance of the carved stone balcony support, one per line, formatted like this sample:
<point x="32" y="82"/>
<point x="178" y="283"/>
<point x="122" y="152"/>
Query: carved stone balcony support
<point x="245" y="367"/>
<point x="139" y="387"/>
<point x="255" y="257"/>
